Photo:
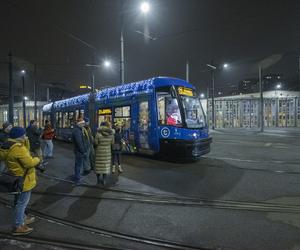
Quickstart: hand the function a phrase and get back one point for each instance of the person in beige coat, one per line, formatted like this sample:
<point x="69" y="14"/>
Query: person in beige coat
<point x="103" y="142"/>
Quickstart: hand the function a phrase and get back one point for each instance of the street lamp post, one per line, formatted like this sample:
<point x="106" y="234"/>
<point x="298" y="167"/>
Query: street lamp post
<point x="10" y="91"/>
<point x="213" y="69"/>
<point x="122" y="73"/>
<point x="23" y="97"/>
<point x="145" y="8"/>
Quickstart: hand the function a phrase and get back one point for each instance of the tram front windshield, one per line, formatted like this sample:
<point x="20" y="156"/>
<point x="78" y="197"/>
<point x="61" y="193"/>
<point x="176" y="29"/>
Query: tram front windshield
<point x="170" y="112"/>
<point x="194" y="115"/>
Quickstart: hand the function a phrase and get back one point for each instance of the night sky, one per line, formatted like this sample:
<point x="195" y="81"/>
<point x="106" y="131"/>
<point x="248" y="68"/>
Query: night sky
<point x="237" y="32"/>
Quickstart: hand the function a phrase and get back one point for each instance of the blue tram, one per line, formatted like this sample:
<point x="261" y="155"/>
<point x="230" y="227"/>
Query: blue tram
<point x="158" y="116"/>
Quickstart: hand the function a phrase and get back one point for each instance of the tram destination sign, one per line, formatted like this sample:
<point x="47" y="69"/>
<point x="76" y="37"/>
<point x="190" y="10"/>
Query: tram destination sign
<point x="185" y="91"/>
<point x="105" y="112"/>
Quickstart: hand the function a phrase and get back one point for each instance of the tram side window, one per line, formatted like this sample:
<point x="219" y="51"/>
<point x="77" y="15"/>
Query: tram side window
<point x="168" y="110"/>
<point x="72" y="117"/>
<point x="58" y="119"/>
<point x="68" y="120"/>
<point x="45" y="117"/>
<point x="122" y="117"/>
<point x="79" y="113"/>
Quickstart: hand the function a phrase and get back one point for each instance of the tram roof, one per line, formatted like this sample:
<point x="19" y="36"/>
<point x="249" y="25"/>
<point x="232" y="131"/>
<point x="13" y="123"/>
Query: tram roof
<point x="145" y="86"/>
<point x="124" y="90"/>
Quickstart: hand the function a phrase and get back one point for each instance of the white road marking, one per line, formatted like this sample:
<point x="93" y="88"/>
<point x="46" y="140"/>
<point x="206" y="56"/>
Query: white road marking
<point x="242" y="160"/>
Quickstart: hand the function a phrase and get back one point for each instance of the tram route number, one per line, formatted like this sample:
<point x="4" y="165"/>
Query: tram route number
<point x="165" y="132"/>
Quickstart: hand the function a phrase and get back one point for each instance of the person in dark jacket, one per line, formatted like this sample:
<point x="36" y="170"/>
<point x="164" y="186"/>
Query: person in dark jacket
<point x="4" y="135"/>
<point x="88" y="137"/>
<point x="34" y="135"/>
<point x="116" y="150"/>
<point x="80" y="149"/>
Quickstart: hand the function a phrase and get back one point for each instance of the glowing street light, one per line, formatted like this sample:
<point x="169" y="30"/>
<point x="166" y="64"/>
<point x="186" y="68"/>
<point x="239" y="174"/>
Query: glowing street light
<point x="202" y="95"/>
<point x="26" y="98"/>
<point x="107" y="64"/>
<point x="225" y="65"/>
<point x="278" y="86"/>
<point x="145" y="7"/>
<point x="23" y="72"/>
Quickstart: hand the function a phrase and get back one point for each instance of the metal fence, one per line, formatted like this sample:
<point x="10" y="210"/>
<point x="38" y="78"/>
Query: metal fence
<point x="245" y="112"/>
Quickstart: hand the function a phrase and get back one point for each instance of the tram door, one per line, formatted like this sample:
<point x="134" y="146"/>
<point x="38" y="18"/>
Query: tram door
<point x="143" y="124"/>
<point x="104" y="115"/>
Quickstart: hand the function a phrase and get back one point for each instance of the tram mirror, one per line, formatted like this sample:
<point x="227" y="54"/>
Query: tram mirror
<point x="172" y="91"/>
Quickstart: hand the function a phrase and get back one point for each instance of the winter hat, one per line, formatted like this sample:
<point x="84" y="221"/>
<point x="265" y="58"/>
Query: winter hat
<point x="16" y="132"/>
<point x="6" y="124"/>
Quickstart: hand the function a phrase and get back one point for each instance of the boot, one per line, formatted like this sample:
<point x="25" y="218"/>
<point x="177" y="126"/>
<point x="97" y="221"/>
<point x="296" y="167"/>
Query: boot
<point x="29" y="219"/>
<point x="22" y="230"/>
<point x="98" y="179"/>
<point x="104" y="179"/>
<point x="120" y="169"/>
<point x="113" y="169"/>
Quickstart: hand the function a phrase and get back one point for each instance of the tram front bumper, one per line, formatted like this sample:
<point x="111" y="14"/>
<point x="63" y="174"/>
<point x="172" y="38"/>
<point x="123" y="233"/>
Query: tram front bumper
<point x="185" y="149"/>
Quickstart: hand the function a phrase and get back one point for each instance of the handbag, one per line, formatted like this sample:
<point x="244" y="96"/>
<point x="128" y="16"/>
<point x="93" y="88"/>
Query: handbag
<point x="11" y="183"/>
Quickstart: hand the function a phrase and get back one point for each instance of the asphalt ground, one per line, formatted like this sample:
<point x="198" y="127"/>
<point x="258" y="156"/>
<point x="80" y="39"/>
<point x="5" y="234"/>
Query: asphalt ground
<point x="244" y="165"/>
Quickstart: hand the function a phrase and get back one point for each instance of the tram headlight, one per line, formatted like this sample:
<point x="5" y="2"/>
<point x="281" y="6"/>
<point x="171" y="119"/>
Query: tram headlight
<point x="195" y="135"/>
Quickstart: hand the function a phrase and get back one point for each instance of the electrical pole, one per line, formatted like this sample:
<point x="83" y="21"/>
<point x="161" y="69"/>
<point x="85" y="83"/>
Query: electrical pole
<point x="122" y="73"/>
<point x="10" y="91"/>
<point x="187" y="73"/>
<point x="213" y="98"/>
<point x="34" y="93"/>
<point x="261" y="99"/>
<point x="207" y="105"/>
<point x="299" y="72"/>
<point x="24" y="104"/>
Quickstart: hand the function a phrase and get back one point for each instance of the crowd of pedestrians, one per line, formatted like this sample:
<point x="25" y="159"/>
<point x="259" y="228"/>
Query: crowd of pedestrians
<point x="97" y="153"/>
<point x="22" y="151"/>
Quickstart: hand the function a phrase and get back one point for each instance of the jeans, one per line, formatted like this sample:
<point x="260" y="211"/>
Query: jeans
<point x="87" y="161"/>
<point x="2" y="166"/>
<point x="48" y="148"/>
<point x="79" y="159"/>
<point x="22" y="202"/>
<point x="116" y="156"/>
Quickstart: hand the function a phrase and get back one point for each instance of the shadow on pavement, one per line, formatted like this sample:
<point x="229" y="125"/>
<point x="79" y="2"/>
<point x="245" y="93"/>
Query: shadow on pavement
<point x="46" y="200"/>
<point x="83" y="208"/>
<point x="206" y="178"/>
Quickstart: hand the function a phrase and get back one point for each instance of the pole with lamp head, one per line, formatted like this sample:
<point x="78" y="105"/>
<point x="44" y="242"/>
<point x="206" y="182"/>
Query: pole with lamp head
<point x="23" y="72"/>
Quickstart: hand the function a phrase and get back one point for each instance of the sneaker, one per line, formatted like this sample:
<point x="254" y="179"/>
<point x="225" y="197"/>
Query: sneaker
<point x="113" y="169"/>
<point x="29" y="219"/>
<point x="120" y="169"/>
<point x="22" y="230"/>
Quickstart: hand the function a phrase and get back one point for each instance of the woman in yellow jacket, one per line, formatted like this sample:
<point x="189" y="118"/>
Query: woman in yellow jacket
<point x="19" y="161"/>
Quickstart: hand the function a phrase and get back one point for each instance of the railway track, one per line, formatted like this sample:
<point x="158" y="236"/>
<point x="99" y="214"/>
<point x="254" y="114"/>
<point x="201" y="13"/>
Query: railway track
<point x="159" y="199"/>
<point x="104" y="232"/>
<point x="56" y="243"/>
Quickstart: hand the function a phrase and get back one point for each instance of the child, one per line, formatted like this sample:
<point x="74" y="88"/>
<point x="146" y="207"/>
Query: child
<point x="116" y="150"/>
